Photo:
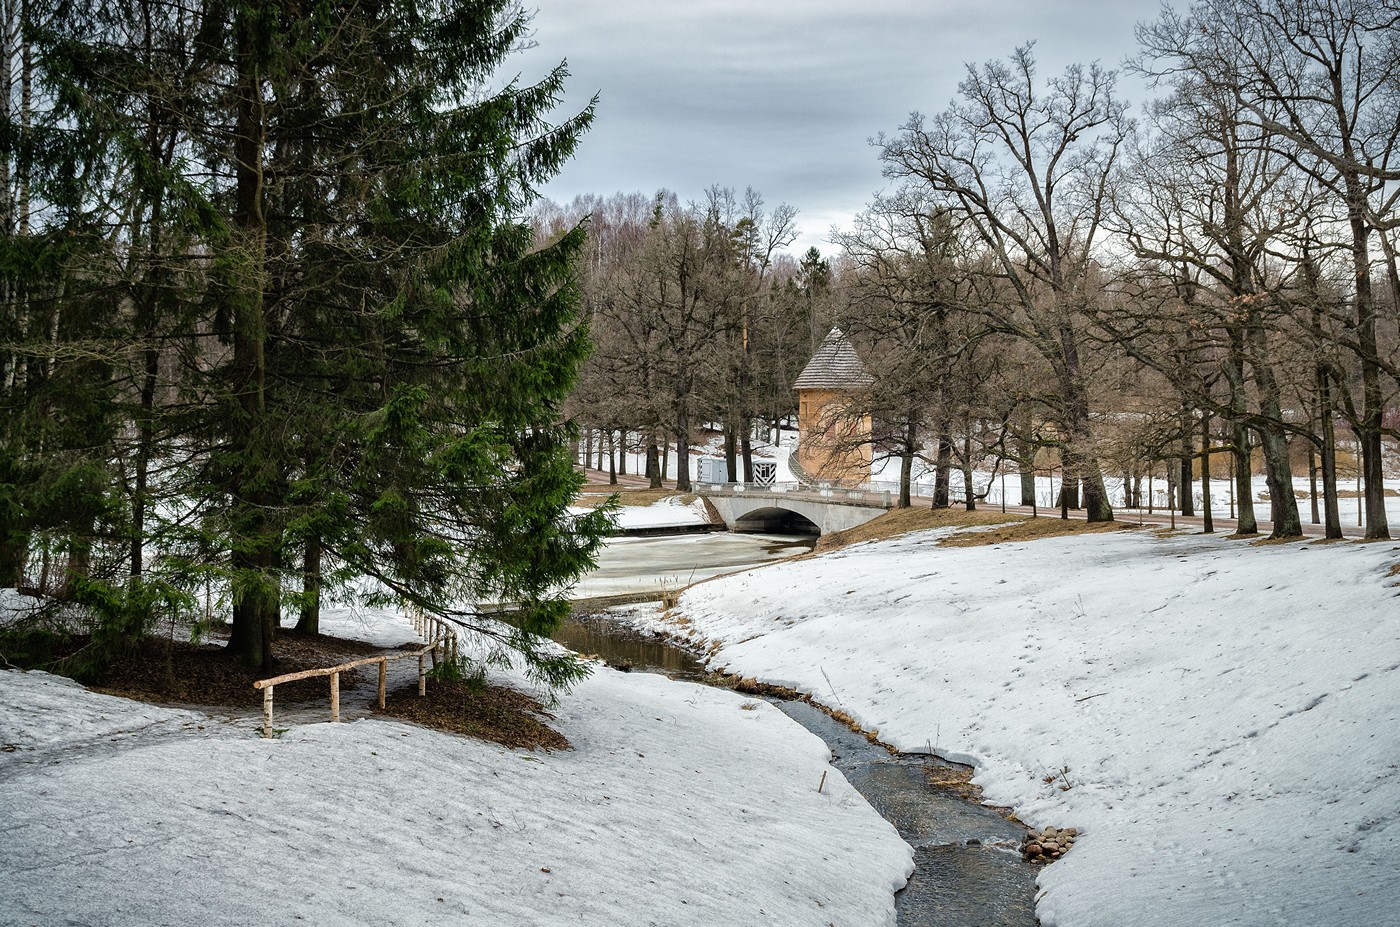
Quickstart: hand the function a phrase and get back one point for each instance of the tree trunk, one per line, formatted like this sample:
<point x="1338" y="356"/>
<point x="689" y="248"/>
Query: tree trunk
<point x="746" y="452"/>
<point x="612" y="459"/>
<point x="1244" y="480"/>
<point x="1207" y="515"/>
<point x="622" y="452"/>
<point x="1188" y="453"/>
<point x="145" y="429"/>
<point x="1069" y="493"/>
<point x="1278" y="468"/>
<point x="1078" y="452"/>
<point x="1312" y="485"/>
<point x="255" y="554"/>
<point x="1332" y="512"/>
<point x="1372" y="396"/>
<point x="906" y="466"/>
<point x="14" y="556"/>
<point x="943" y="465"/>
<point x="683" y="451"/>
<point x="731" y="454"/>
<point x="1278" y="473"/>
<point x="309" y="621"/>
<point x="1025" y="458"/>
<point x="969" y="494"/>
<point x="653" y="463"/>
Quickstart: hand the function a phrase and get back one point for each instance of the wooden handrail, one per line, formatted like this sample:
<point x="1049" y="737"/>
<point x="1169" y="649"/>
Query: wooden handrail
<point x="340" y="667"/>
<point x="439" y="636"/>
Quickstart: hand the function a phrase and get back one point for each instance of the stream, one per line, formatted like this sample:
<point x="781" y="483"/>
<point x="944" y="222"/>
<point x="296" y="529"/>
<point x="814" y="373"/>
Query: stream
<point x="968" y="869"/>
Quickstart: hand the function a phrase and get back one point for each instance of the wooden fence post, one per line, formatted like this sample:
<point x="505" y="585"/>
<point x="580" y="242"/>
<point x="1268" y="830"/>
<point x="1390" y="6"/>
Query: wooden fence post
<point x="267" y="711"/>
<point x="335" y="696"/>
<point x="383" y="673"/>
<point x="422" y="677"/>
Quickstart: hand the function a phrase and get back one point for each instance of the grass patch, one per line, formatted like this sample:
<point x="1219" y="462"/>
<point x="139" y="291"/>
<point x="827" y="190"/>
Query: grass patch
<point x="460" y="706"/>
<point x="625" y="496"/>
<point x="996" y="528"/>
<point x="902" y="521"/>
<point x="1274" y="542"/>
<point x="1031" y="529"/>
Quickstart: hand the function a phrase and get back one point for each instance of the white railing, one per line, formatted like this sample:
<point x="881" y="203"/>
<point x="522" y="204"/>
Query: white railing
<point x="865" y="493"/>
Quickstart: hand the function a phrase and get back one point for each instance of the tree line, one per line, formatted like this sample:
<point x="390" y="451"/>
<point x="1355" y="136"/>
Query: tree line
<point x="696" y="318"/>
<point x="1049" y="277"/>
<point x="273" y="321"/>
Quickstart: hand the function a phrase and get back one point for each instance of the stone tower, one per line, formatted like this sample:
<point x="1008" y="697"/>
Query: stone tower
<point x="834" y="442"/>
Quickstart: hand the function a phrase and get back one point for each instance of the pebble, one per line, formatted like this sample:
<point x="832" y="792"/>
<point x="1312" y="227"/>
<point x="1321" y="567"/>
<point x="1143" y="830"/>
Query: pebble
<point x="1049" y="843"/>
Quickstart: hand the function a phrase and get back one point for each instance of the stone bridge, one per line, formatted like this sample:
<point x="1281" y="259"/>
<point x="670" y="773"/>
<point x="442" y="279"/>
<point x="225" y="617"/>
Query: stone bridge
<point x="792" y="507"/>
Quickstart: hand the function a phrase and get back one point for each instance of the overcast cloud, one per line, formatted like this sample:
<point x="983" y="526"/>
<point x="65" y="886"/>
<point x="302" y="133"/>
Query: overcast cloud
<point x="784" y="95"/>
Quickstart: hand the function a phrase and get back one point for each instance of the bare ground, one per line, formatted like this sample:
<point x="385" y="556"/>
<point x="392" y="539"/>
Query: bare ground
<point x="175" y="672"/>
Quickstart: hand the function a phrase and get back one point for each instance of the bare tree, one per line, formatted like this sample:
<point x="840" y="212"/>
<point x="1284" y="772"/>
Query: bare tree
<point x="1024" y="164"/>
<point x="1323" y="77"/>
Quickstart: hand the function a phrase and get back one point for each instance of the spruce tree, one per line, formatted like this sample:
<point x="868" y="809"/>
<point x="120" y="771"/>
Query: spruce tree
<point x="370" y="351"/>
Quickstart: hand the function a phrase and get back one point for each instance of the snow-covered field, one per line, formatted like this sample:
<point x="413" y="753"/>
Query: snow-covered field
<point x="679" y="804"/>
<point x="669" y="512"/>
<point x="1221" y="721"/>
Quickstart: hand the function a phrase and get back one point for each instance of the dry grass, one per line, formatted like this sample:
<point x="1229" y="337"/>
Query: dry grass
<point x="1032" y="529"/>
<point x="1274" y="542"/>
<point x="996" y="528"/>
<point x="486" y="712"/>
<point x="1341" y="493"/>
<point x="626" y="496"/>
<point x="902" y="521"/>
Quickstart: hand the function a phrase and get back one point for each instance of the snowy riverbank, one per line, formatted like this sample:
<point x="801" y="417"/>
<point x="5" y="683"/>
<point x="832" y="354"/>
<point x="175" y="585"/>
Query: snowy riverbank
<point x="1226" y="717"/>
<point x="678" y="805"/>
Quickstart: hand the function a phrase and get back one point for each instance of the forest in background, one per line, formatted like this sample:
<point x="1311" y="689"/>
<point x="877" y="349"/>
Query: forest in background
<point x="1053" y="281"/>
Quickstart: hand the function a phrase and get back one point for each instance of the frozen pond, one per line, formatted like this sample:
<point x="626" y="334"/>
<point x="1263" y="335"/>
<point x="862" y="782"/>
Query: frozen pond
<point x="628" y="566"/>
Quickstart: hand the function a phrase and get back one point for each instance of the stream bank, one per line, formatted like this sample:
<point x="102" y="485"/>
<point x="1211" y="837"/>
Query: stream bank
<point x="968" y="868"/>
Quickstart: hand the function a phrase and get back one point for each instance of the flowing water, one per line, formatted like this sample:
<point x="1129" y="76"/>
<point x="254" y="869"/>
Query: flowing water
<point x="968" y="871"/>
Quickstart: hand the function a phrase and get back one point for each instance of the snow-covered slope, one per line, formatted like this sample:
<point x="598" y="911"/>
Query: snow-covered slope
<point x="1226" y="717"/>
<point x="679" y="805"/>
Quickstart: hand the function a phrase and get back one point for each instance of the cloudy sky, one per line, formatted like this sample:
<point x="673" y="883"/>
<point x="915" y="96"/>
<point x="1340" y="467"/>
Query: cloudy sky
<point x="784" y="95"/>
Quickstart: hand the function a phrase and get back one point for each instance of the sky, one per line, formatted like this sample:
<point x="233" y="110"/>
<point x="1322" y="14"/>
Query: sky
<point x="785" y="95"/>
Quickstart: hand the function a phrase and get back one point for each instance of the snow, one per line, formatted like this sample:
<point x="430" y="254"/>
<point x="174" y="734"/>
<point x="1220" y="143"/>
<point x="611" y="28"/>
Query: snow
<point x="664" y="513"/>
<point x="1226" y="716"/>
<point x="667" y="512"/>
<point x="633" y="565"/>
<point x="680" y="805"/>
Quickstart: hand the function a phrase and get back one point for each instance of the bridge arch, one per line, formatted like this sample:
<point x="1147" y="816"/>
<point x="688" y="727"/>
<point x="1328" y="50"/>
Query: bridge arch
<point x="774" y="519"/>
<point x="744" y="506"/>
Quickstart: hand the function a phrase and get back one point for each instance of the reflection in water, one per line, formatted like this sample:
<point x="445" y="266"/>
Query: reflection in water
<point x="624" y="648"/>
<point x="653" y="564"/>
<point x="967" y="873"/>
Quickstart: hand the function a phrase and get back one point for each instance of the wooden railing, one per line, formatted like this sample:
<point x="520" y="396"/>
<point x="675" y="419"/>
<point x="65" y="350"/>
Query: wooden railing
<point x="433" y="629"/>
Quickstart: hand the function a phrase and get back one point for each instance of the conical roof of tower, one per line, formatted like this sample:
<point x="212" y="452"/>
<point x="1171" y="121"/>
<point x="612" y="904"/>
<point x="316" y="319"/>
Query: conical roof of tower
<point x="836" y="365"/>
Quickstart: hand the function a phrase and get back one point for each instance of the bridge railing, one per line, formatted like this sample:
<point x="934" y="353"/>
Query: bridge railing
<point x="836" y="493"/>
